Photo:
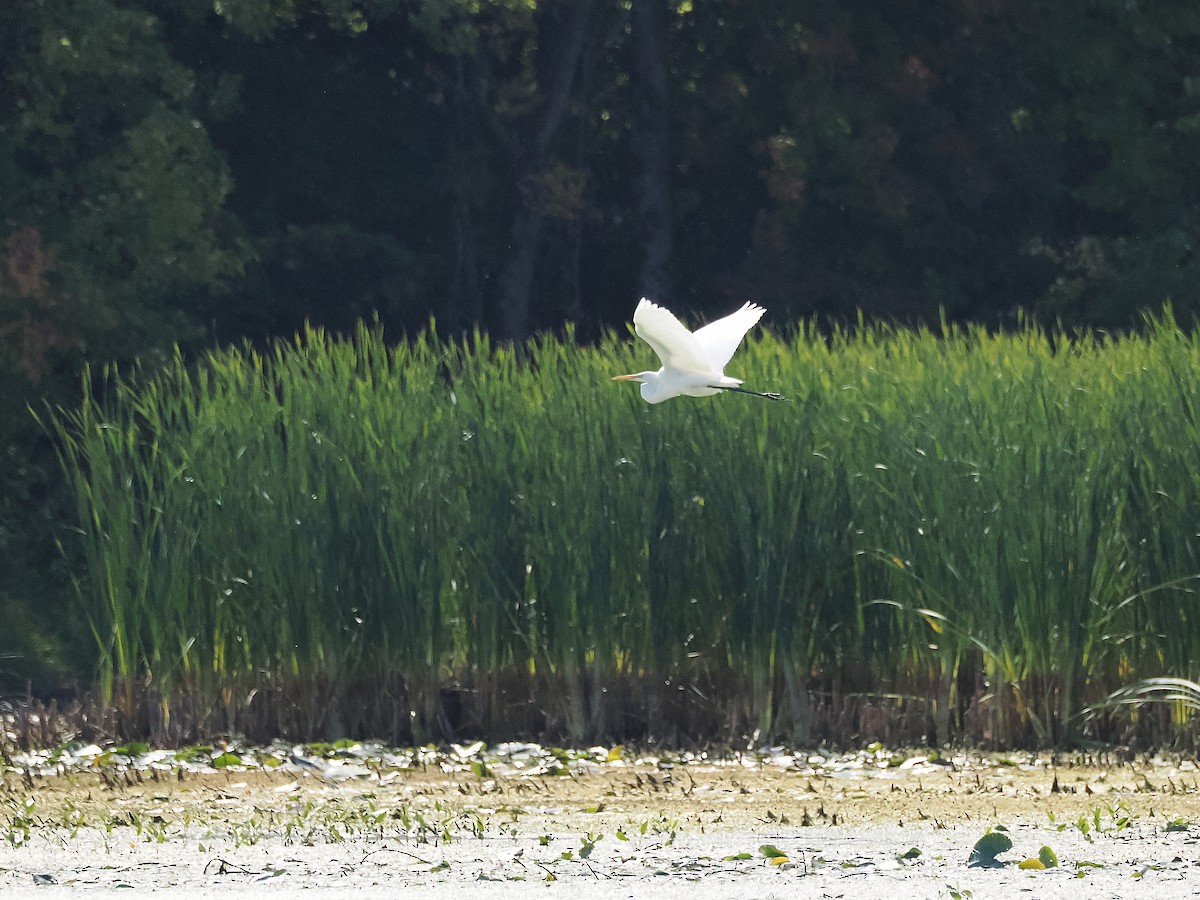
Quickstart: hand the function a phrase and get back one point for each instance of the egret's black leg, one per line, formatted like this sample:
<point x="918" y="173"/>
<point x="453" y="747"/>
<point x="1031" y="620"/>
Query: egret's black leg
<point x="741" y="390"/>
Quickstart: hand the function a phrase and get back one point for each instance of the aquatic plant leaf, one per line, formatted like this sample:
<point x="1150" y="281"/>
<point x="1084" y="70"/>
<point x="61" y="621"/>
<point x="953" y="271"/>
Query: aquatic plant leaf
<point x="988" y="847"/>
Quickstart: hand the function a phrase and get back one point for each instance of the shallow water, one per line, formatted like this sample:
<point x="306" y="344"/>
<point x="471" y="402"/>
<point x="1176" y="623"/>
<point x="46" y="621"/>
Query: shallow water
<point x="598" y="822"/>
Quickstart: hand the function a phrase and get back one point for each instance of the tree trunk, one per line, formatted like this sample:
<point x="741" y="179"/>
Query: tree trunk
<point x="650" y="26"/>
<point x="518" y="273"/>
<point x="532" y="157"/>
<point x="466" y="291"/>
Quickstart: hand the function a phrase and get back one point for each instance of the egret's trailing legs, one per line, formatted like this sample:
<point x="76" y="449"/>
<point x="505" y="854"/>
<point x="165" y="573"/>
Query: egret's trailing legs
<point x="770" y="395"/>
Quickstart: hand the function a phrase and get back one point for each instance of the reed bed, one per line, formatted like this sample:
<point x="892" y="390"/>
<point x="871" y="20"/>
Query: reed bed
<point x="973" y="535"/>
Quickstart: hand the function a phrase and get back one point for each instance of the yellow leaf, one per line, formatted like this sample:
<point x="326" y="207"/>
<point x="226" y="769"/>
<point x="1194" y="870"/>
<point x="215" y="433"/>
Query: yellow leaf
<point x="778" y="860"/>
<point x="1031" y="863"/>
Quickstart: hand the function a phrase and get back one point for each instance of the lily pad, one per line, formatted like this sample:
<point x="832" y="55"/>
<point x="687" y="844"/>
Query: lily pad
<point x="988" y="847"/>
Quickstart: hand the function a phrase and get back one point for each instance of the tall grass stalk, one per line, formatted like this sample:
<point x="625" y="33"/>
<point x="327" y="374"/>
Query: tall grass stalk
<point x="446" y="537"/>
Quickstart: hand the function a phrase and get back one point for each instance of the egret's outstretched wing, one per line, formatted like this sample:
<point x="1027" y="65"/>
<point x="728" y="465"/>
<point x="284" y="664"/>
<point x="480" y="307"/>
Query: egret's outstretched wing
<point x="675" y="345"/>
<point x="719" y="339"/>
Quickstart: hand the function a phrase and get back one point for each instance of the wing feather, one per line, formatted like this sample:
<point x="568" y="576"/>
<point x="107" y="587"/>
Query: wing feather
<point x="718" y="340"/>
<point x="675" y="345"/>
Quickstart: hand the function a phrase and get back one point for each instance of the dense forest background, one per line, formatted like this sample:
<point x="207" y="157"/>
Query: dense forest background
<point x="198" y="172"/>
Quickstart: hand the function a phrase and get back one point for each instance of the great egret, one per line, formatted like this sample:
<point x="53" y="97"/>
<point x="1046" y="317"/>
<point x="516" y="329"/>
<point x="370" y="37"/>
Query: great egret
<point x="693" y="362"/>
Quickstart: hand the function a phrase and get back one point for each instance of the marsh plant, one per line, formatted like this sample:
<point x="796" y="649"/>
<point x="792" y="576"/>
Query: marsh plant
<point x="351" y="536"/>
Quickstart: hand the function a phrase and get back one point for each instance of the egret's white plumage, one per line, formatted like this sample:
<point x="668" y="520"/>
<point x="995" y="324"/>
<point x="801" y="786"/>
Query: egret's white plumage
<point x="693" y="362"/>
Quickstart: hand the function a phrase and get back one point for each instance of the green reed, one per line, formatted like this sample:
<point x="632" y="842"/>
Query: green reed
<point x="399" y="539"/>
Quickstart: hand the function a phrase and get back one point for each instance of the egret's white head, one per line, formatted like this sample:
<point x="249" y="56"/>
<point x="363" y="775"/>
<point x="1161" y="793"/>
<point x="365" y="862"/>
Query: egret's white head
<point x="651" y="383"/>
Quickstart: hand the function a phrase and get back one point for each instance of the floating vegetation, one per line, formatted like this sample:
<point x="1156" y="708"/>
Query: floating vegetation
<point x="344" y="813"/>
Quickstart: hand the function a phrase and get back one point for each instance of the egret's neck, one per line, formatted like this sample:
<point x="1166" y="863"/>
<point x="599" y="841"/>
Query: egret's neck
<point x="651" y="386"/>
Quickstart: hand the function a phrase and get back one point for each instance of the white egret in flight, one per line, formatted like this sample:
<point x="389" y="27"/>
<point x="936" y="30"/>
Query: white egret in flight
<point x="693" y="362"/>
